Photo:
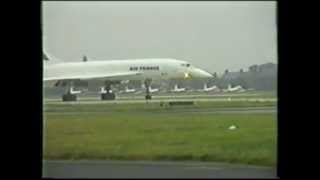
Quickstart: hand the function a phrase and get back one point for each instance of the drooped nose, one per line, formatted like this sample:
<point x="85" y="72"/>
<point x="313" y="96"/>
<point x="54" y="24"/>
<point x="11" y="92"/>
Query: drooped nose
<point x="201" y="73"/>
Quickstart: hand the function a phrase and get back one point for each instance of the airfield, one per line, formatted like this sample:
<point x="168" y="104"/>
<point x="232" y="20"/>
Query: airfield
<point x="167" y="97"/>
<point x="131" y="129"/>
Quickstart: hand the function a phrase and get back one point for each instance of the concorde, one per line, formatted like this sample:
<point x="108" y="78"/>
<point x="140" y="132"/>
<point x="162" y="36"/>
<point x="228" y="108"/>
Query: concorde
<point x="59" y="73"/>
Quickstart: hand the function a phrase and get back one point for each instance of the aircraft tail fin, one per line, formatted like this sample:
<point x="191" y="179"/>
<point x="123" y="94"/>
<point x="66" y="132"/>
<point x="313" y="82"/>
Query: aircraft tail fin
<point x="48" y="58"/>
<point x="45" y="56"/>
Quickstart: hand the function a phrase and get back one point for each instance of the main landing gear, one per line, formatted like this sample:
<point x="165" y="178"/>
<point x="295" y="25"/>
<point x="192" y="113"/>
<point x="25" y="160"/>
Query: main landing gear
<point x="70" y="94"/>
<point x="69" y="97"/>
<point x="147" y="84"/>
<point x="106" y="92"/>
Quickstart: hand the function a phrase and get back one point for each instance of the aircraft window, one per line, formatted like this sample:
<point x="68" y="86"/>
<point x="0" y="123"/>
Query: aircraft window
<point x="187" y="65"/>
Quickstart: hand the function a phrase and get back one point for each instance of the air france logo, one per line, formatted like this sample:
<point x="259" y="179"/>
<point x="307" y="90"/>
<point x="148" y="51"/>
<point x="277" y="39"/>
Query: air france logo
<point x="136" y="68"/>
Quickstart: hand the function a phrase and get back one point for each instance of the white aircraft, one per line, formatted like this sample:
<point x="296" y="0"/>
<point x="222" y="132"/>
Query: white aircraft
<point x="177" y="89"/>
<point x="60" y="73"/>
<point x="207" y="89"/>
<point x="127" y="90"/>
<point x="143" y="86"/>
<point x="102" y="90"/>
<point x="234" y="89"/>
<point x="74" y="91"/>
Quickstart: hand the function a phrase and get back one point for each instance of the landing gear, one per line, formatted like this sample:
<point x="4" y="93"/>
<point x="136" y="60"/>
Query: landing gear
<point x="106" y="93"/>
<point x="108" y="96"/>
<point x="69" y="95"/>
<point x="148" y="97"/>
<point x="147" y="84"/>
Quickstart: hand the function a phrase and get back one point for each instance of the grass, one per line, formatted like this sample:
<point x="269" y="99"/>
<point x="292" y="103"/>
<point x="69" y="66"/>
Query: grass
<point x="129" y="132"/>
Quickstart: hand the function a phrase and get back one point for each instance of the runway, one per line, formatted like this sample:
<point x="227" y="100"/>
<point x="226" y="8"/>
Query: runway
<point x="86" y="100"/>
<point x="246" y="110"/>
<point x="152" y="169"/>
<point x="166" y="99"/>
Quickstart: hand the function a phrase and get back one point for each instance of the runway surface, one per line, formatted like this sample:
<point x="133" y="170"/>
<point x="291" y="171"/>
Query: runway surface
<point x="152" y="169"/>
<point x="246" y="110"/>
<point x="141" y="100"/>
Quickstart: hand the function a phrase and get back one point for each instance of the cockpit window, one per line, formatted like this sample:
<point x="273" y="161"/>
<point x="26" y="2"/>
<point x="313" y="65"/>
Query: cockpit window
<point x="186" y="65"/>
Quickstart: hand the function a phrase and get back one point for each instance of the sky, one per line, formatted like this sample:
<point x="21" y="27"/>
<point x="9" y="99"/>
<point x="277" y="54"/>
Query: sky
<point x="214" y="36"/>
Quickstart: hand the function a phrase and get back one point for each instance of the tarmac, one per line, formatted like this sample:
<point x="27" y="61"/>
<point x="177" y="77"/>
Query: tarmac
<point x="96" y="100"/>
<point x="152" y="169"/>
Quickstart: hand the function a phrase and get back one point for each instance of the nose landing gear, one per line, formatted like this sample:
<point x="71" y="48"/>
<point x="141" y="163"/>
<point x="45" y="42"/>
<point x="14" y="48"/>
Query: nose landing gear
<point x="148" y="97"/>
<point x="108" y="96"/>
<point x="106" y="92"/>
<point x="147" y="84"/>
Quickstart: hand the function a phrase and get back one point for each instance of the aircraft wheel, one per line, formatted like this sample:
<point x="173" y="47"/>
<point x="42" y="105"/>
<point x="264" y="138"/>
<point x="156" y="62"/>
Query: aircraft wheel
<point x="108" y="96"/>
<point x="148" y="96"/>
<point x="69" y="97"/>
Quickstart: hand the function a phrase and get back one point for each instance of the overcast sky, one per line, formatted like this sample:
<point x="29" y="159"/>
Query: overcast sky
<point x="211" y="35"/>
